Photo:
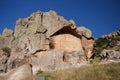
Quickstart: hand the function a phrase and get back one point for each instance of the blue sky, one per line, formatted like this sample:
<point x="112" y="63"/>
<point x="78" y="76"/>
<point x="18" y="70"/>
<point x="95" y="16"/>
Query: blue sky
<point x="100" y="16"/>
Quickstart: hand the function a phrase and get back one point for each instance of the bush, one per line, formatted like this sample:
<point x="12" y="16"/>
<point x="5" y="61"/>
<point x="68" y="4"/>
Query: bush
<point x="51" y="45"/>
<point x="102" y="42"/>
<point x="7" y="50"/>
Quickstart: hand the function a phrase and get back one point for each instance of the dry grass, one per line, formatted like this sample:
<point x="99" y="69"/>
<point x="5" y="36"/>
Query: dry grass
<point x="92" y="72"/>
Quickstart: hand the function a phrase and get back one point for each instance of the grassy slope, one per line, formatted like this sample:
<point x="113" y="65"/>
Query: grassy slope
<point x="92" y="72"/>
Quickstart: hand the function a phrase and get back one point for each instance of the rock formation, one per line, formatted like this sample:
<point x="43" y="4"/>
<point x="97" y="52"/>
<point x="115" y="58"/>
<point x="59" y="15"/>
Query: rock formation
<point x="58" y="60"/>
<point x="108" y="46"/>
<point x="84" y="32"/>
<point x="20" y="73"/>
<point x="110" y="54"/>
<point x="47" y="41"/>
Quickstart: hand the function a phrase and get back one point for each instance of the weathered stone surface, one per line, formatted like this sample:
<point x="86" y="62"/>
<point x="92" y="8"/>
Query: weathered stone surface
<point x="40" y="22"/>
<point x="6" y="38"/>
<point x="3" y="61"/>
<point x="55" y="60"/>
<point x="7" y="32"/>
<point x="113" y="34"/>
<point x="88" y="45"/>
<point x="32" y="43"/>
<point x="53" y="22"/>
<point x="110" y="54"/>
<point x="2" y="76"/>
<point x="67" y="42"/>
<point x="28" y="25"/>
<point x="74" y="57"/>
<point x="21" y="73"/>
<point x="52" y="60"/>
<point x="26" y="46"/>
<point x="74" y="24"/>
<point x="32" y="37"/>
<point x="3" y="68"/>
<point x="84" y="31"/>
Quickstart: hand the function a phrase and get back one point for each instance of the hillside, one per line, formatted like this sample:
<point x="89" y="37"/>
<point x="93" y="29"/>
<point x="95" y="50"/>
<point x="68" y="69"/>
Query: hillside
<point x="108" y="46"/>
<point x="90" y="72"/>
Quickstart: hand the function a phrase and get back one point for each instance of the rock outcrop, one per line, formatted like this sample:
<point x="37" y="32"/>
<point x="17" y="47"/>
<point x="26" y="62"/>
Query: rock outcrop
<point x="108" y="46"/>
<point x="58" y="60"/>
<point x="47" y="41"/>
<point x="21" y="73"/>
<point x="84" y="31"/>
<point x="110" y="54"/>
<point x="39" y="22"/>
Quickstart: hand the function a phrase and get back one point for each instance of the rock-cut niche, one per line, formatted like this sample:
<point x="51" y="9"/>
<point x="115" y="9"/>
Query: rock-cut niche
<point x="66" y="39"/>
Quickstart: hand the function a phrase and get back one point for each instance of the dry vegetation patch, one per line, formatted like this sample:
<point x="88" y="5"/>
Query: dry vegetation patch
<point x="109" y="71"/>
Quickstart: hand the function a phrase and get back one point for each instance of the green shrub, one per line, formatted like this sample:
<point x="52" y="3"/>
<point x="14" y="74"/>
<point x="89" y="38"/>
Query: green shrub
<point x="39" y="71"/>
<point x="102" y="42"/>
<point x="7" y="50"/>
<point x="51" y="45"/>
<point x="115" y="39"/>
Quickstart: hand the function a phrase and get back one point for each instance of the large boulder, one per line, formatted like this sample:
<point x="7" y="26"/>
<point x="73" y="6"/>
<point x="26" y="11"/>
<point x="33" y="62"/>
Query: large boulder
<point x="6" y="38"/>
<point x="53" y="22"/>
<point x="84" y="31"/>
<point x="110" y="54"/>
<point x="21" y="73"/>
<point x="27" y="26"/>
<point x="7" y="32"/>
<point x="57" y="60"/>
<point x="52" y="60"/>
<point x="40" y="22"/>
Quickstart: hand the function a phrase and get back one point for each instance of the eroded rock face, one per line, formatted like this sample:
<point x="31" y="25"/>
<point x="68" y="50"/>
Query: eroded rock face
<point x="5" y="48"/>
<point x="108" y="46"/>
<point x="21" y="73"/>
<point x="67" y="42"/>
<point x="84" y="31"/>
<point x="57" y="60"/>
<point x="30" y="43"/>
<point x="52" y="19"/>
<point x="88" y="45"/>
<point x="40" y="22"/>
<point x="7" y="32"/>
<point x="3" y="62"/>
<point x="2" y="76"/>
<point x="110" y="54"/>
<point x="6" y="38"/>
